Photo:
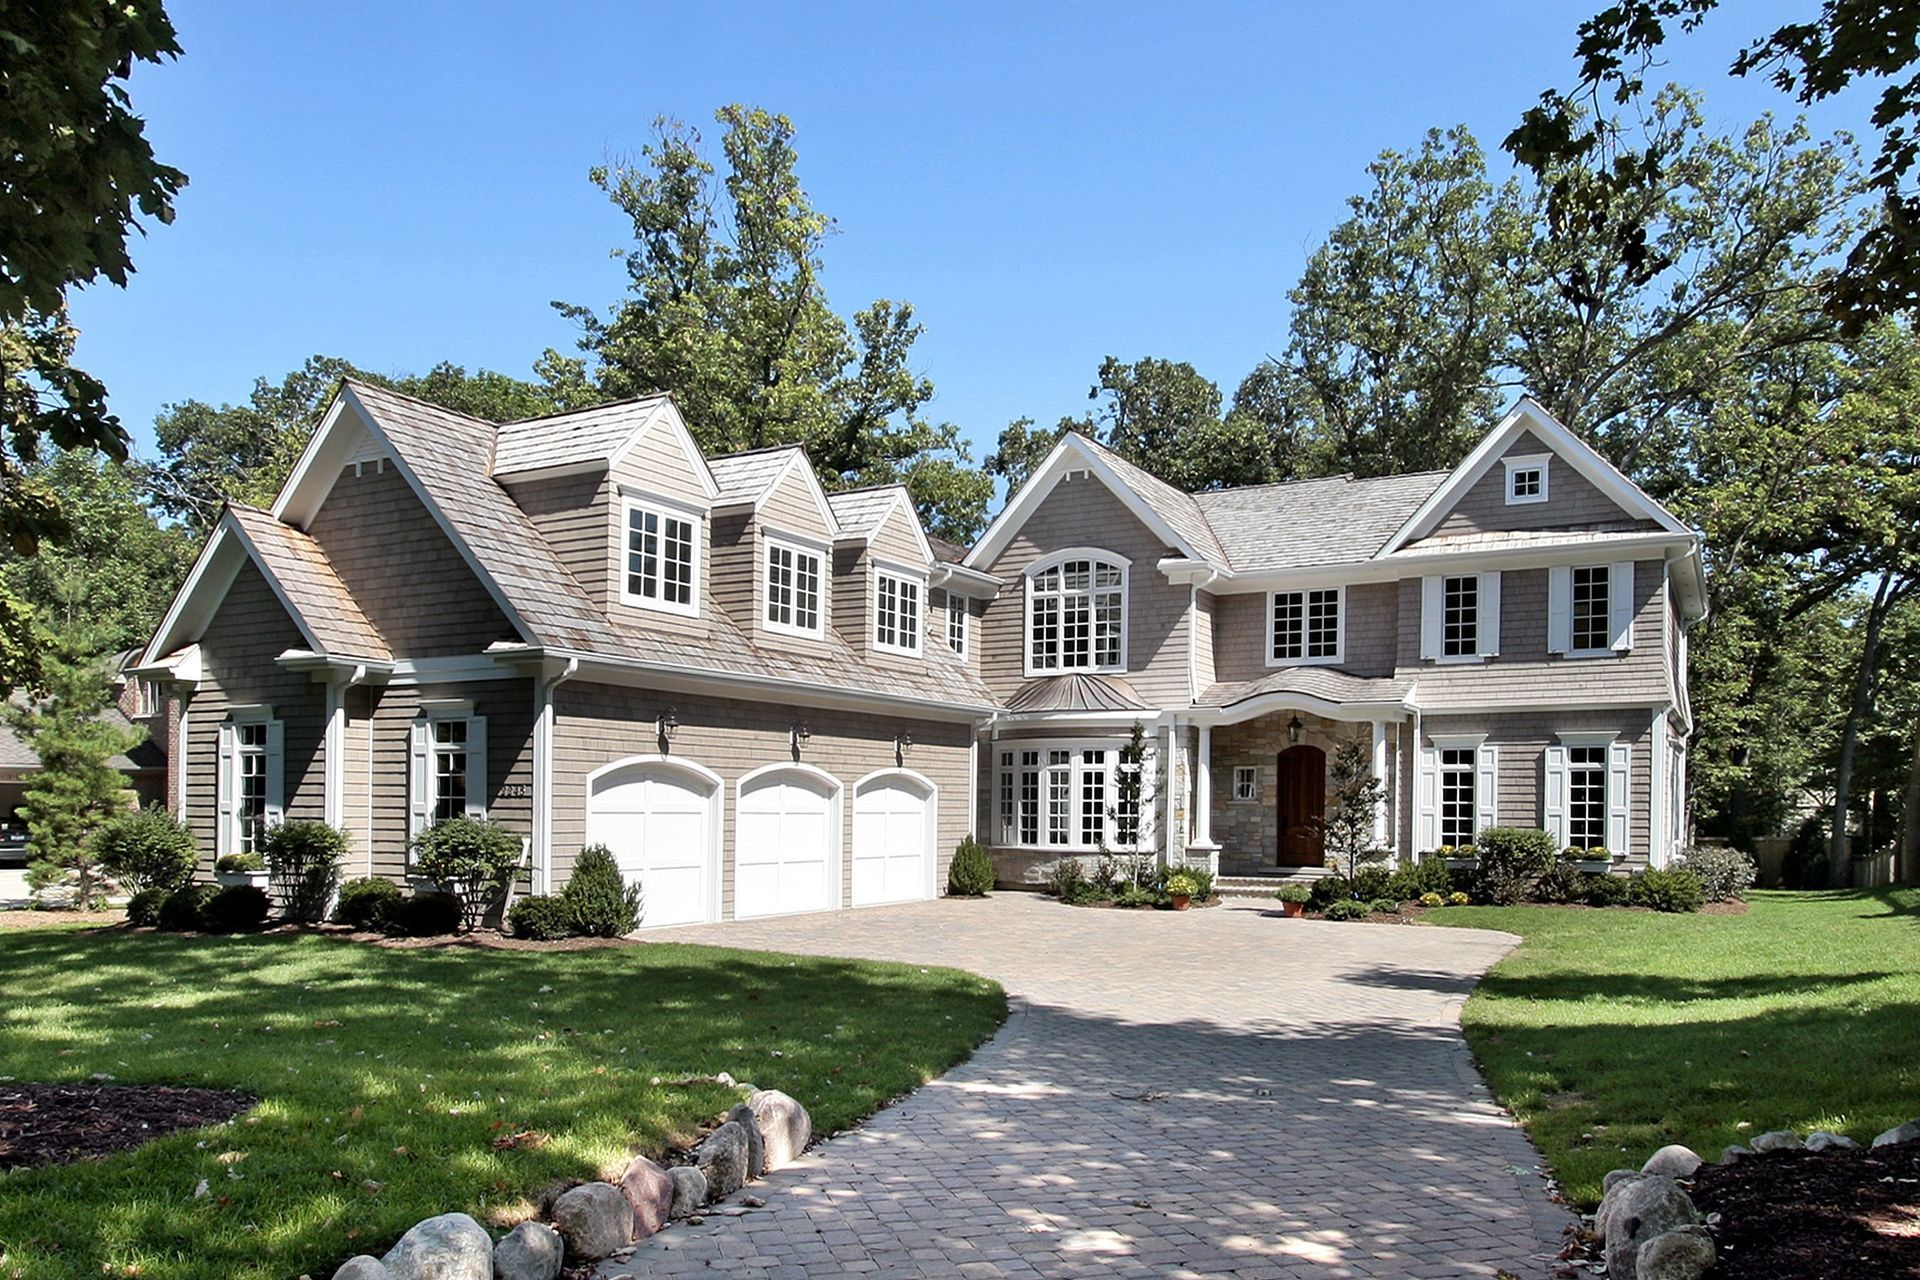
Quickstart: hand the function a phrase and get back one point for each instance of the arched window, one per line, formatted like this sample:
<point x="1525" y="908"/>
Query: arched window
<point x="1076" y="614"/>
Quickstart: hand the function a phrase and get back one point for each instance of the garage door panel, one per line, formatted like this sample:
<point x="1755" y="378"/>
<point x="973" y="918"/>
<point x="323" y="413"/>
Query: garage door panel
<point x="892" y="844"/>
<point x="658" y="820"/>
<point x="784" y="847"/>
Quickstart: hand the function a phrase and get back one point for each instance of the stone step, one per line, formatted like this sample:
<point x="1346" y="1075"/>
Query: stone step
<point x="1263" y="884"/>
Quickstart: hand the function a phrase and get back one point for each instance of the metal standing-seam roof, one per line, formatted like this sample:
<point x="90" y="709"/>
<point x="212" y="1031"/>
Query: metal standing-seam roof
<point x="1315" y="682"/>
<point x="1076" y="691"/>
<point x="296" y="562"/>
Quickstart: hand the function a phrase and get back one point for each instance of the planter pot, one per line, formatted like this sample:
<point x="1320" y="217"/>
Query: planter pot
<point x="1292" y="909"/>
<point x="1182" y="901"/>
<point x="242" y="879"/>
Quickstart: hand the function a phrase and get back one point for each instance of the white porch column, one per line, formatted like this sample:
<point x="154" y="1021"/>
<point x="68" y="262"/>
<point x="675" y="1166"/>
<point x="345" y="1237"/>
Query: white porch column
<point x="1203" y="790"/>
<point x="1381" y="836"/>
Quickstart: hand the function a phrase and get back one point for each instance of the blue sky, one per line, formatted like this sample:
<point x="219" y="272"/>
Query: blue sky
<point x="1047" y="184"/>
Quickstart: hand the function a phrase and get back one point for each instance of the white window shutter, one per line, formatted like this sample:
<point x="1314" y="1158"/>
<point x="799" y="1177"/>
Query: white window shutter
<point x="1553" y="794"/>
<point x="226" y="786"/>
<point x="1560" y="608"/>
<point x="1433" y="619"/>
<point x="419" y="788"/>
<point x="1620" y="590"/>
<point x="1619" y="783"/>
<point x="476" y="766"/>
<point x="1486" y="789"/>
<point x="1489" y="619"/>
<point x="276" y="772"/>
<point x="1426" y="800"/>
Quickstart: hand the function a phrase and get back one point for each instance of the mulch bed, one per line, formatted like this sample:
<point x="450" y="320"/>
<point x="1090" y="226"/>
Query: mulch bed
<point x="1807" y="1215"/>
<point x="40" y="919"/>
<point x="60" y="1123"/>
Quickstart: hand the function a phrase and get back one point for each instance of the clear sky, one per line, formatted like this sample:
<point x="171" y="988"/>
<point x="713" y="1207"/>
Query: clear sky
<point x="1048" y="184"/>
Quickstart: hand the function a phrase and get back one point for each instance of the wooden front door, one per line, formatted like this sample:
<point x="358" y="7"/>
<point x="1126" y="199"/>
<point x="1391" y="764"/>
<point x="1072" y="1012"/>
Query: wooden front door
<point x="1303" y="807"/>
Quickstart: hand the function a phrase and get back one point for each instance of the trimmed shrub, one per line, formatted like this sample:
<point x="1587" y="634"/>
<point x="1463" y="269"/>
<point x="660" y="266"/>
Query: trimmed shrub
<point x="1067" y="879"/>
<point x="365" y="901"/>
<point x="1201" y="877"/>
<point x="599" y="902"/>
<point x="1138" y="895"/>
<point x="1562" y="882"/>
<point x="971" y="875"/>
<point x="1384" y="906"/>
<point x="1372" y="882"/>
<point x="471" y="858"/>
<point x="228" y="862"/>
<point x="303" y="861"/>
<point x="1346" y="909"/>
<point x="236" y="908"/>
<point x="540" y="918"/>
<point x="1458" y="899"/>
<point x="1512" y="860"/>
<point x="185" y="909"/>
<point x="143" y="908"/>
<point x="1673" y="889"/>
<point x="1429" y="875"/>
<point x="1328" y="890"/>
<point x="1600" y="889"/>
<point x="1293" y="893"/>
<point x="1431" y="900"/>
<point x="1725" y="873"/>
<point x="424" y="915"/>
<point x="147" y="849"/>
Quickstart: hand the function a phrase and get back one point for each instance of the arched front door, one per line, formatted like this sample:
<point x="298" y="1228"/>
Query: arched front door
<point x="1302" y="801"/>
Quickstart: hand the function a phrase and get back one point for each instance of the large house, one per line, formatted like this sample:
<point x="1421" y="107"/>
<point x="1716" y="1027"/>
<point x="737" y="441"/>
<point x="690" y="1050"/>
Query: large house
<point x="766" y="698"/>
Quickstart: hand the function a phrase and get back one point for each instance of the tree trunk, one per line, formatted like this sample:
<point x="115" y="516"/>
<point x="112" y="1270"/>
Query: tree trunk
<point x="1861" y="705"/>
<point x="1910" y="819"/>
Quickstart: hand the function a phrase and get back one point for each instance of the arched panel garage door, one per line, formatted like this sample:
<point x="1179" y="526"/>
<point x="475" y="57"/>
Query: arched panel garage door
<point x="659" y="817"/>
<point x="893" y="843"/>
<point x="786" y="842"/>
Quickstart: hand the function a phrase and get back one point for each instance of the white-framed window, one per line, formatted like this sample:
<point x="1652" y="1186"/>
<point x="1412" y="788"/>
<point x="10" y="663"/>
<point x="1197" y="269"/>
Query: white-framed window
<point x="1456" y="780"/>
<point x="449" y="769"/>
<point x="1591" y="605"/>
<point x="793" y="588"/>
<point x="1459" y="808"/>
<point x="1246" y="783"/>
<point x="1587" y="792"/>
<point x="957" y="624"/>
<point x="251" y="783"/>
<point x="1064" y="796"/>
<point x="447" y="773"/>
<point x="896" y="613"/>
<point x="1526" y="479"/>
<point x="661" y="560"/>
<point x="1460" y="616"/>
<point x="1306" y="627"/>
<point x="1590" y="609"/>
<point x="1077" y="615"/>
<point x="1587" y="796"/>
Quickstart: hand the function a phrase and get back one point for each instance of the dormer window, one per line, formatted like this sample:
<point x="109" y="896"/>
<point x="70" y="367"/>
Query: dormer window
<point x="662" y="569"/>
<point x="793" y="589"/>
<point x="1526" y="479"/>
<point x="1076" y="616"/>
<point x="896" y="613"/>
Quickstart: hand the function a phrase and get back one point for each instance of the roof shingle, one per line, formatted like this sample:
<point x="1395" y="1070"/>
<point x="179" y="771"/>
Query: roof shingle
<point x="296" y="562"/>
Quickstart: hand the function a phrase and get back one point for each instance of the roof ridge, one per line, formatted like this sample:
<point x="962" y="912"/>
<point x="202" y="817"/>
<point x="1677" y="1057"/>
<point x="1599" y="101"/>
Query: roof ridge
<point x="421" y="401"/>
<point x="587" y="408"/>
<point x="762" y="448"/>
<point x="1345" y="476"/>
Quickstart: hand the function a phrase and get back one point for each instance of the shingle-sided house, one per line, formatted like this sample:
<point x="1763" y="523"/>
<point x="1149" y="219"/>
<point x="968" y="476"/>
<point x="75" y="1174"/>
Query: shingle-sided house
<point x="769" y="699"/>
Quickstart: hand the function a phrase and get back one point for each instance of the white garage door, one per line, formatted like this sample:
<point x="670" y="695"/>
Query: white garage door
<point x="658" y="820"/>
<point x="892" y="841"/>
<point x="784" y="845"/>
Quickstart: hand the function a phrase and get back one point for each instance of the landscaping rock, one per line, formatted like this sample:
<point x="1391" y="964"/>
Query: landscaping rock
<point x="1778" y="1140"/>
<point x="743" y="1116"/>
<point x="1821" y="1140"/>
<point x="594" y="1219"/>
<point x="1634" y="1213"/>
<point x="1905" y="1133"/>
<point x="1617" y="1176"/>
<point x="1673" y="1161"/>
<point x="1732" y="1154"/>
<point x="650" y="1191"/>
<point x="689" y="1190"/>
<point x="364" y="1267"/>
<point x="722" y="1158"/>
<point x="531" y="1251"/>
<point x="449" y="1247"/>
<point x="1683" y="1254"/>
<point x="784" y="1123"/>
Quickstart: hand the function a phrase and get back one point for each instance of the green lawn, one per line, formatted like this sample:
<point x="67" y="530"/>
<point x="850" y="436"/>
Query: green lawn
<point x="1611" y="1033"/>
<point x="400" y="1068"/>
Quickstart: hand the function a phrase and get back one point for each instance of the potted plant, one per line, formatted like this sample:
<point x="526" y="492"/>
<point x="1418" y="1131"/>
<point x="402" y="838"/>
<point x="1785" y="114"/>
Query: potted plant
<point x="244" y="869"/>
<point x="1180" y="890"/>
<point x="1293" y="898"/>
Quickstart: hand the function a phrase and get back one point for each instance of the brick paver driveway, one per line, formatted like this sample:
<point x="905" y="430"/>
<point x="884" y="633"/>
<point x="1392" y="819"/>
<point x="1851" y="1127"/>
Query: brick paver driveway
<point x="1214" y="1093"/>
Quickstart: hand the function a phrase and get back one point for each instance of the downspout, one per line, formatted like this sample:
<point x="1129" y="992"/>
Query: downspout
<point x="541" y="873"/>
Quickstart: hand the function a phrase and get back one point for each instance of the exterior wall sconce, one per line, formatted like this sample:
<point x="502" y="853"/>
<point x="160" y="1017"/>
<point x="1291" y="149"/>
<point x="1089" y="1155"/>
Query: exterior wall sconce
<point x="902" y="741"/>
<point x="667" y="724"/>
<point x="1293" y="730"/>
<point x="798" y="735"/>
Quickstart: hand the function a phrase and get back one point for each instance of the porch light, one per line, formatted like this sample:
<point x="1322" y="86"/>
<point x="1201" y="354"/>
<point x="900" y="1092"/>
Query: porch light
<point x="1293" y="731"/>
<point x="667" y="724"/>
<point x="901" y="742"/>
<point x="798" y="735"/>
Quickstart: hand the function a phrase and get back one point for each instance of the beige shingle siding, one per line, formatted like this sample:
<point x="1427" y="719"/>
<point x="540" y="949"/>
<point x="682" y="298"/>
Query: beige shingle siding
<point x="894" y="540"/>
<point x="791" y="508"/>
<point x="1572" y="501"/>
<point x="574" y="514"/>
<point x="410" y="581"/>
<point x="1082" y="512"/>
<point x="733" y="567"/>
<point x="853" y="595"/>
<point x="596" y="725"/>
<point x="1206" y="607"/>
<point x="659" y="466"/>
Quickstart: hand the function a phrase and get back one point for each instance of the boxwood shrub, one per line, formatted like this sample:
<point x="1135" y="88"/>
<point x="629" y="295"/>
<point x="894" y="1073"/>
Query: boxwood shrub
<point x="541" y="917"/>
<point x="236" y="908"/>
<point x="971" y="874"/>
<point x="365" y="902"/>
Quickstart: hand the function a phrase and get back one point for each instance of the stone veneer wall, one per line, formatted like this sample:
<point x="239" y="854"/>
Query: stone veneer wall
<point x="1248" y="832"/>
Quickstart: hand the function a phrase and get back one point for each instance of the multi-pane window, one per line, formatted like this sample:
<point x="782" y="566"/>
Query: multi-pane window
<point x="1592" y="608"/>
<point x="1064" y="796"/>
<point x="1587" y="796"/>
<point x="793" y="588"/>
<point x="1059" y="797"/>
<point x="1306" y="625"/>
<point x="897" y="614"/>
<point x="1078" y="607"/>
<point x="661" y="547"/>
<point x="250" y="784"/>
<point x="1526" y="484"/>
<point x="1246" y="782"/>
<point x="957" y="624"/>
<point x="1093" y="797"/>
<point x="1458" y="800"/>
<point x="1029" y="797"/>
<point x="1461" y="616"/>
<point x="449" y="769"/>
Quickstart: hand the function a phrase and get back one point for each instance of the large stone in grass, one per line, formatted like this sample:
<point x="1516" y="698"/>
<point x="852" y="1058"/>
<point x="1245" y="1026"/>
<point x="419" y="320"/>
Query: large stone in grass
<point x="449" y="1247"/>
<point x="1634" y="1213"/>
<point x="1733" y="1155"/>
<point x="1821" y="1140"/>
<point x="364" y="1267"/>
<point x="722" y="1158"/>
<point x="743" y="1116"/>
<point x="689" y="1190"/>
<point x="1617" y="1176"/>
<point x="594" y="1219"/>
<point x="1903" y="1133"/>
<point x="531" y="1251"/>
<point x="1777" y="1140"/>
<point x="650" y="1191"/>
<point x="784" y="1123"/>
<point x="1682" y="1254"/>
<point x="1673" y="1161"/>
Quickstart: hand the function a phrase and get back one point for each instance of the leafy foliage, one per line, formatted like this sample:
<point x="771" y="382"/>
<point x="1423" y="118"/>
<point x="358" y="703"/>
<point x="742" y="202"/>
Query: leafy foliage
<point x="1356" y="795"/>
<point x="303" y="865"/>
<point x="599" y="903"/>
<point x="1328" y="890"/>
<point x="365" y="902"/>
<point x="423" y="915"/>
<point x="971" y="873"/>
<point x="1667" y="889"/>
<point x="1725" y="873"/>
<point x="186" y="909"/>
<point x="471" y="858"/>
<point x="540" y="917"/>
<point x="143" y="908"/>
<point x="1293" y="893"/>
<point x="1347" y="909"/>
<point x="236" y="908"/>
<point x="147" y="849"/>
<point x="1512" y="861"/>
<point x="1067" y="879"/>
<point x="237" y="862"/>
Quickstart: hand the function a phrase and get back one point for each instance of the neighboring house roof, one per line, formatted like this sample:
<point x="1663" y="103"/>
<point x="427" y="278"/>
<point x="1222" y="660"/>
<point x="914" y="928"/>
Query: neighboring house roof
<point x="1076" y="692"/>
<point x="571" y="438"/>
<point x="1323" y="683"/>
<point x="16" y="756"/>
<point x="946" y="552"/>
<point x="306" y="578"/>
<point x="1309" y="522"/>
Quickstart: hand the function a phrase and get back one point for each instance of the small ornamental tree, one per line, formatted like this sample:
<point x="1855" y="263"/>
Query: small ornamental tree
<point x="598" y="902"/>
<point x="149" y="849"/>
<point x="303" y="866"/>
<point x="471" y="858"/>
<point x="971" y="873"/>
<point x="1357" y="795"/>
<point x="1130" y="833"/>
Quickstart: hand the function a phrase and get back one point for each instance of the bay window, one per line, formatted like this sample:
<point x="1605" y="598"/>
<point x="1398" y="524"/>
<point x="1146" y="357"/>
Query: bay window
<point x="1076" y="616"/>
<point x="1065" y="796"/>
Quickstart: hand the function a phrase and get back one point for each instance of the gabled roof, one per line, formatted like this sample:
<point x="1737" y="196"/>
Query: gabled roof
<point x="861" y="513"/>
<point x="751" y="475"/>
<point x="1312" y="522"/>
<point x="578" y="436"/>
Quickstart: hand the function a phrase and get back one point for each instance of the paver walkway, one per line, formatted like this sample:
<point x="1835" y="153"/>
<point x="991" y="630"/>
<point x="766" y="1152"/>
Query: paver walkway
<point x="1212" y="1093"/>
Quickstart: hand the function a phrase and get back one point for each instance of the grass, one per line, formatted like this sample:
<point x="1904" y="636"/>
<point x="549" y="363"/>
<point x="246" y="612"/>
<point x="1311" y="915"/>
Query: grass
<point x="385" y="1077"/>
<point x="1612" y="1033"/>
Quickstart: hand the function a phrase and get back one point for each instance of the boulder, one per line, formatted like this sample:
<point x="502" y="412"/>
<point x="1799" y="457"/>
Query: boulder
<point x="364" y="1267"/>
<point x="531" y="1251"/>
<point x="1732" y="1154"/>
<point x="650" y="1191"/>
<point x="722" y="1158"/>
<point x="594" y="1219"/>
<point x="784" y="1123"/>
<point x="1904" y="1133"/>
<point x="689" y="1190"/>
<point x="743" y="1116"/>
<point x="1821" y="1140"/>
<point x="1634" y="1213"/>
<point x="1617" y="1176"/>
<point x="1777" y="1140"/>
<point x="449" y="1247"/>
<point x="1673" y="1161"/>
<point x="1682" y="1254"/>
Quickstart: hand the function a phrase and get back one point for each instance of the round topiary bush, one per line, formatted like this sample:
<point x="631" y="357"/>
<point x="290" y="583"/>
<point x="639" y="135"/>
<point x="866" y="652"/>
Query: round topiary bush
<point x="185" y="908"/>
<point x="599" y="902"/>
<point x="540" y="918"/>
<point x="364" y="902"/>
<point x="1604" y="890"/>
<point x="971" y="875"/>
<point x="1328" y="890"/>
<point x="236" y="908"/>
<point x="1512" y="860"/>
<point x="143" y="908"/>
<point x="1431" y="900"/>
<point x="147" y="849"/>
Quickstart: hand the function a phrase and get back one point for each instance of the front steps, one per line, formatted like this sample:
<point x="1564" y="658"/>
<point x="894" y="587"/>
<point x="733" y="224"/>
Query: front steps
<point x="1262" y="884"/>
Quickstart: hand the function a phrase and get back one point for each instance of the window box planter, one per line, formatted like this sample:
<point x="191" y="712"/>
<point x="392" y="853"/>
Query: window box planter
<point x="241" y="879"/>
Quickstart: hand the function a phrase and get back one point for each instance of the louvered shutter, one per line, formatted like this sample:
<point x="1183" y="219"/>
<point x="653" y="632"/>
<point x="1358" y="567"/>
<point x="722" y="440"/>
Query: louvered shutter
<point x="1489" y="620"/>
<point x="1619" y="783"/>
<point x="476" y="766"/>
<point x="1433" y="616"/>
<point x="419" y="783"/>
<point x="226" y="788"/>
<point x="1486" y="789"/>
<point x="276" y="773"/>
<point x="1559" y="608"/>
<point x="1620" y="593"/>
<point x="1426" y="799"/>
<point x="1553" y="794"/>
